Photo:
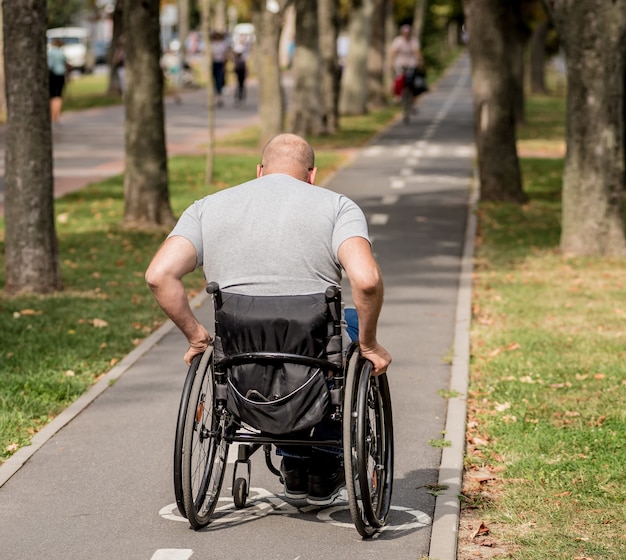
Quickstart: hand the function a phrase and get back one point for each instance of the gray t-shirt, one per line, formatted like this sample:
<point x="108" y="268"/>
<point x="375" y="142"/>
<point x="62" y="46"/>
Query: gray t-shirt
<point x="274" y="235"/>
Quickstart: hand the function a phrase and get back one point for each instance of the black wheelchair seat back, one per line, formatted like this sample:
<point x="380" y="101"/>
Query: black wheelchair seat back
<point x="279" y="354"/>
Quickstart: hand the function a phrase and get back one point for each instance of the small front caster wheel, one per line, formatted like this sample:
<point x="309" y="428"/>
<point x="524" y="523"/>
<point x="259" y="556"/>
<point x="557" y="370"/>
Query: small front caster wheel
<point x="240" y="492"/>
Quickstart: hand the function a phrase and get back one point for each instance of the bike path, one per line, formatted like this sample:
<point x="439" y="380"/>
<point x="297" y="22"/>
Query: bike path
<point x="101" y="486"/>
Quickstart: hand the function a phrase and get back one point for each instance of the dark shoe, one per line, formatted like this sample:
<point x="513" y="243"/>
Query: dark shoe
<point x="325" y="482"/>
<point x="295" y="477"/>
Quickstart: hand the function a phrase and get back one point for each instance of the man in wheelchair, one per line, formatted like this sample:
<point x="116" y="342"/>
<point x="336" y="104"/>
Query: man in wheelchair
<point x="276" y="235"/>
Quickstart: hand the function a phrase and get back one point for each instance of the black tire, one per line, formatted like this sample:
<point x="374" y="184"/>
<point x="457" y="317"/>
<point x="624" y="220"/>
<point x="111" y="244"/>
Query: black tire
<point x="368" y="445"/>
<point x="375" y="446"/>
<point x="205" y="449"/>
<point x="180" y="431"/>
<point x="240" y="492"/>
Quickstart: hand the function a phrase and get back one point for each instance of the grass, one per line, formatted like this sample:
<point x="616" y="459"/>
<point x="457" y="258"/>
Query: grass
<point x="548" y="376"/>
<point x="55" y="347"/>
<point x="87" y="91"/>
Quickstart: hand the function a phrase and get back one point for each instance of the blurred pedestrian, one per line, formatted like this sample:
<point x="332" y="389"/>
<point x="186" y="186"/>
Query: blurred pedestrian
<point x="57" y="75"/>
<point x="220" y="50"/>
<point x="241" y="73"/>
<point x="118" y="64"/>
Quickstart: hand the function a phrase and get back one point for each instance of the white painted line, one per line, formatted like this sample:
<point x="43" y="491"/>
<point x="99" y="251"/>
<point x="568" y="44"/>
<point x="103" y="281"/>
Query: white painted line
<point x="373" y="151"/>
<point x="172" y="554"/>
<point x="390" y="199"/>
<point x="379" y="219"/>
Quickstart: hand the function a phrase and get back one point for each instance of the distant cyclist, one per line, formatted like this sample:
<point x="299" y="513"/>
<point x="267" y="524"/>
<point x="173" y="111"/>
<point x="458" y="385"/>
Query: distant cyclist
<point x="406" y="59"/>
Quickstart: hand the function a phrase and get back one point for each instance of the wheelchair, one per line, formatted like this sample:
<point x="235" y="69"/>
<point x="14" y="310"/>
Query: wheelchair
<point x="275" y="369"/>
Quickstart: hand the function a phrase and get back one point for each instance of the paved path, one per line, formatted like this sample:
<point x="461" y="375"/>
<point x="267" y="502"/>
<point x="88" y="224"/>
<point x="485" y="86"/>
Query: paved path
<point x="96" y="483"/>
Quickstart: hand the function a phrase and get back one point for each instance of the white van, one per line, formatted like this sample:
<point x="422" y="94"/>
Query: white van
<point x="76" y="46"/>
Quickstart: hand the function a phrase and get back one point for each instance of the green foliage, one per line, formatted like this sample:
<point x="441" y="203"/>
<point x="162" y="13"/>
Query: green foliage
<point x="62" y="13"/>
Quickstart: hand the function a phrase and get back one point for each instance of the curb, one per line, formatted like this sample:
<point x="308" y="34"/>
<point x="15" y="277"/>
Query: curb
<point x="17" y="460"/>
<point x="445" y="527"/>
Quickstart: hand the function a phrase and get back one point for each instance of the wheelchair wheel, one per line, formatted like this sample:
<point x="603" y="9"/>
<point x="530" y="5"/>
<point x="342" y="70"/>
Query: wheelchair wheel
<point x="240" y="492"/>
<point x="204" y="447"/>
<point x="180" y="430"/>
<point x="368" y="445"/>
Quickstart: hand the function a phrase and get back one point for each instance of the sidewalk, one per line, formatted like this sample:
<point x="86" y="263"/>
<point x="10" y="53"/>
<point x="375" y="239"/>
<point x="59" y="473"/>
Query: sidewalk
<point x="88" y="146"/>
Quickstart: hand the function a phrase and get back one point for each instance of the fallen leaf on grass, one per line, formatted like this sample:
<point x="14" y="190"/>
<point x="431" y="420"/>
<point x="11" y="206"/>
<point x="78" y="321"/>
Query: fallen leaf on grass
<point x="12" y="447"/>
<point x="30" y="312"/>
<point x="99" y="323"/>
<point x="481" y="531"/>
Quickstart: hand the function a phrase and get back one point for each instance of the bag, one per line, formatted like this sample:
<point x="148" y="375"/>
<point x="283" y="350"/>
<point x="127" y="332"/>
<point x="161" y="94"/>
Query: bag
<point x="276" y="398"/>
<point x="419" y="82"/>
<point x="398" y="85"/>
<point x="278" y="401"/>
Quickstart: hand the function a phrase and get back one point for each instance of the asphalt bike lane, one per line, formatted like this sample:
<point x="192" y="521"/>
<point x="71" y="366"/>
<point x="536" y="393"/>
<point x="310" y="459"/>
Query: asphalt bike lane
<point x="101" y="487"/>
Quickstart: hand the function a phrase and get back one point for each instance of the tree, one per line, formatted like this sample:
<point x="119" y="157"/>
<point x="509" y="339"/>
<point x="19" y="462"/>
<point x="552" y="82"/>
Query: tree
<point x="62" y="13"/>
<point x="328" y="16"/>
<point x="419" y="17"/>
<point x="376" y="56"/>
<point x="494" y="87"/>
<point x="267" y="19"/>
<point x="205" y="10"/>
<point x="3" y="97"/>
<point x="538" y="48"/>
<point x="146" y="195"/>
<point x="306" y="106"/>
<point x="31" y="248"/>
<point x="593" y="35"/>
<point x="353" y="95"/>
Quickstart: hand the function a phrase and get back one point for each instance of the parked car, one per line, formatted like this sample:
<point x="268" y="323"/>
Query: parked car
<point x="76" y="46"/>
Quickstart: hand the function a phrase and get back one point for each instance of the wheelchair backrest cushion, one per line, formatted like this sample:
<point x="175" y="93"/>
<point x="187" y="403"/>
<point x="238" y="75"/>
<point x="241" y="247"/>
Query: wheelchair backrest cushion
<point x="278" y="397"/>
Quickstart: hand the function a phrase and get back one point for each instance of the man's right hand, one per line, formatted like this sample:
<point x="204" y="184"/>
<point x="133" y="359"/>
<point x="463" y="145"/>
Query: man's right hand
<point x="379" y="357"/>
<point x="198" y="344"/>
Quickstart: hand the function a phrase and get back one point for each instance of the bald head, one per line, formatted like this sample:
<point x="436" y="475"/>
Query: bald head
<point x="289" y="154"/>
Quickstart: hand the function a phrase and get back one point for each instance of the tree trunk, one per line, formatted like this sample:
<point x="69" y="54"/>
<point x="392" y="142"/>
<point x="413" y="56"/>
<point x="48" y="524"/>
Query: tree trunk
<point x="220" y="16"/>
<point x="271" y="95"/>
<point x="328" y="14"/>
<point x="494" y="89"/>
<point x="205" y="9"/>
<point x="376" y="57"/>
<point x="146" y="194"/>
<point x="3" y="97"/>
<point x="305" y="102"/>
<point x="183" y="32"/>
<point x="353" y="95"/>
<point x="419" y="17"/>
<point x="538" y="58"/>
<point x="517" y="37"/>
<point x="593" y="35"/>
<point x="31" y="248"/>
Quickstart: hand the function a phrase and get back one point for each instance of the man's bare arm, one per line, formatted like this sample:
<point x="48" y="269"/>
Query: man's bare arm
<point x="355" y="255"/>
<point x="176" y="258"/>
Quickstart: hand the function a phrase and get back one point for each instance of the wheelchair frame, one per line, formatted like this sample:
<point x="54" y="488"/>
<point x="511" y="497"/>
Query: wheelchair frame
<point x="205" y="429"/>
